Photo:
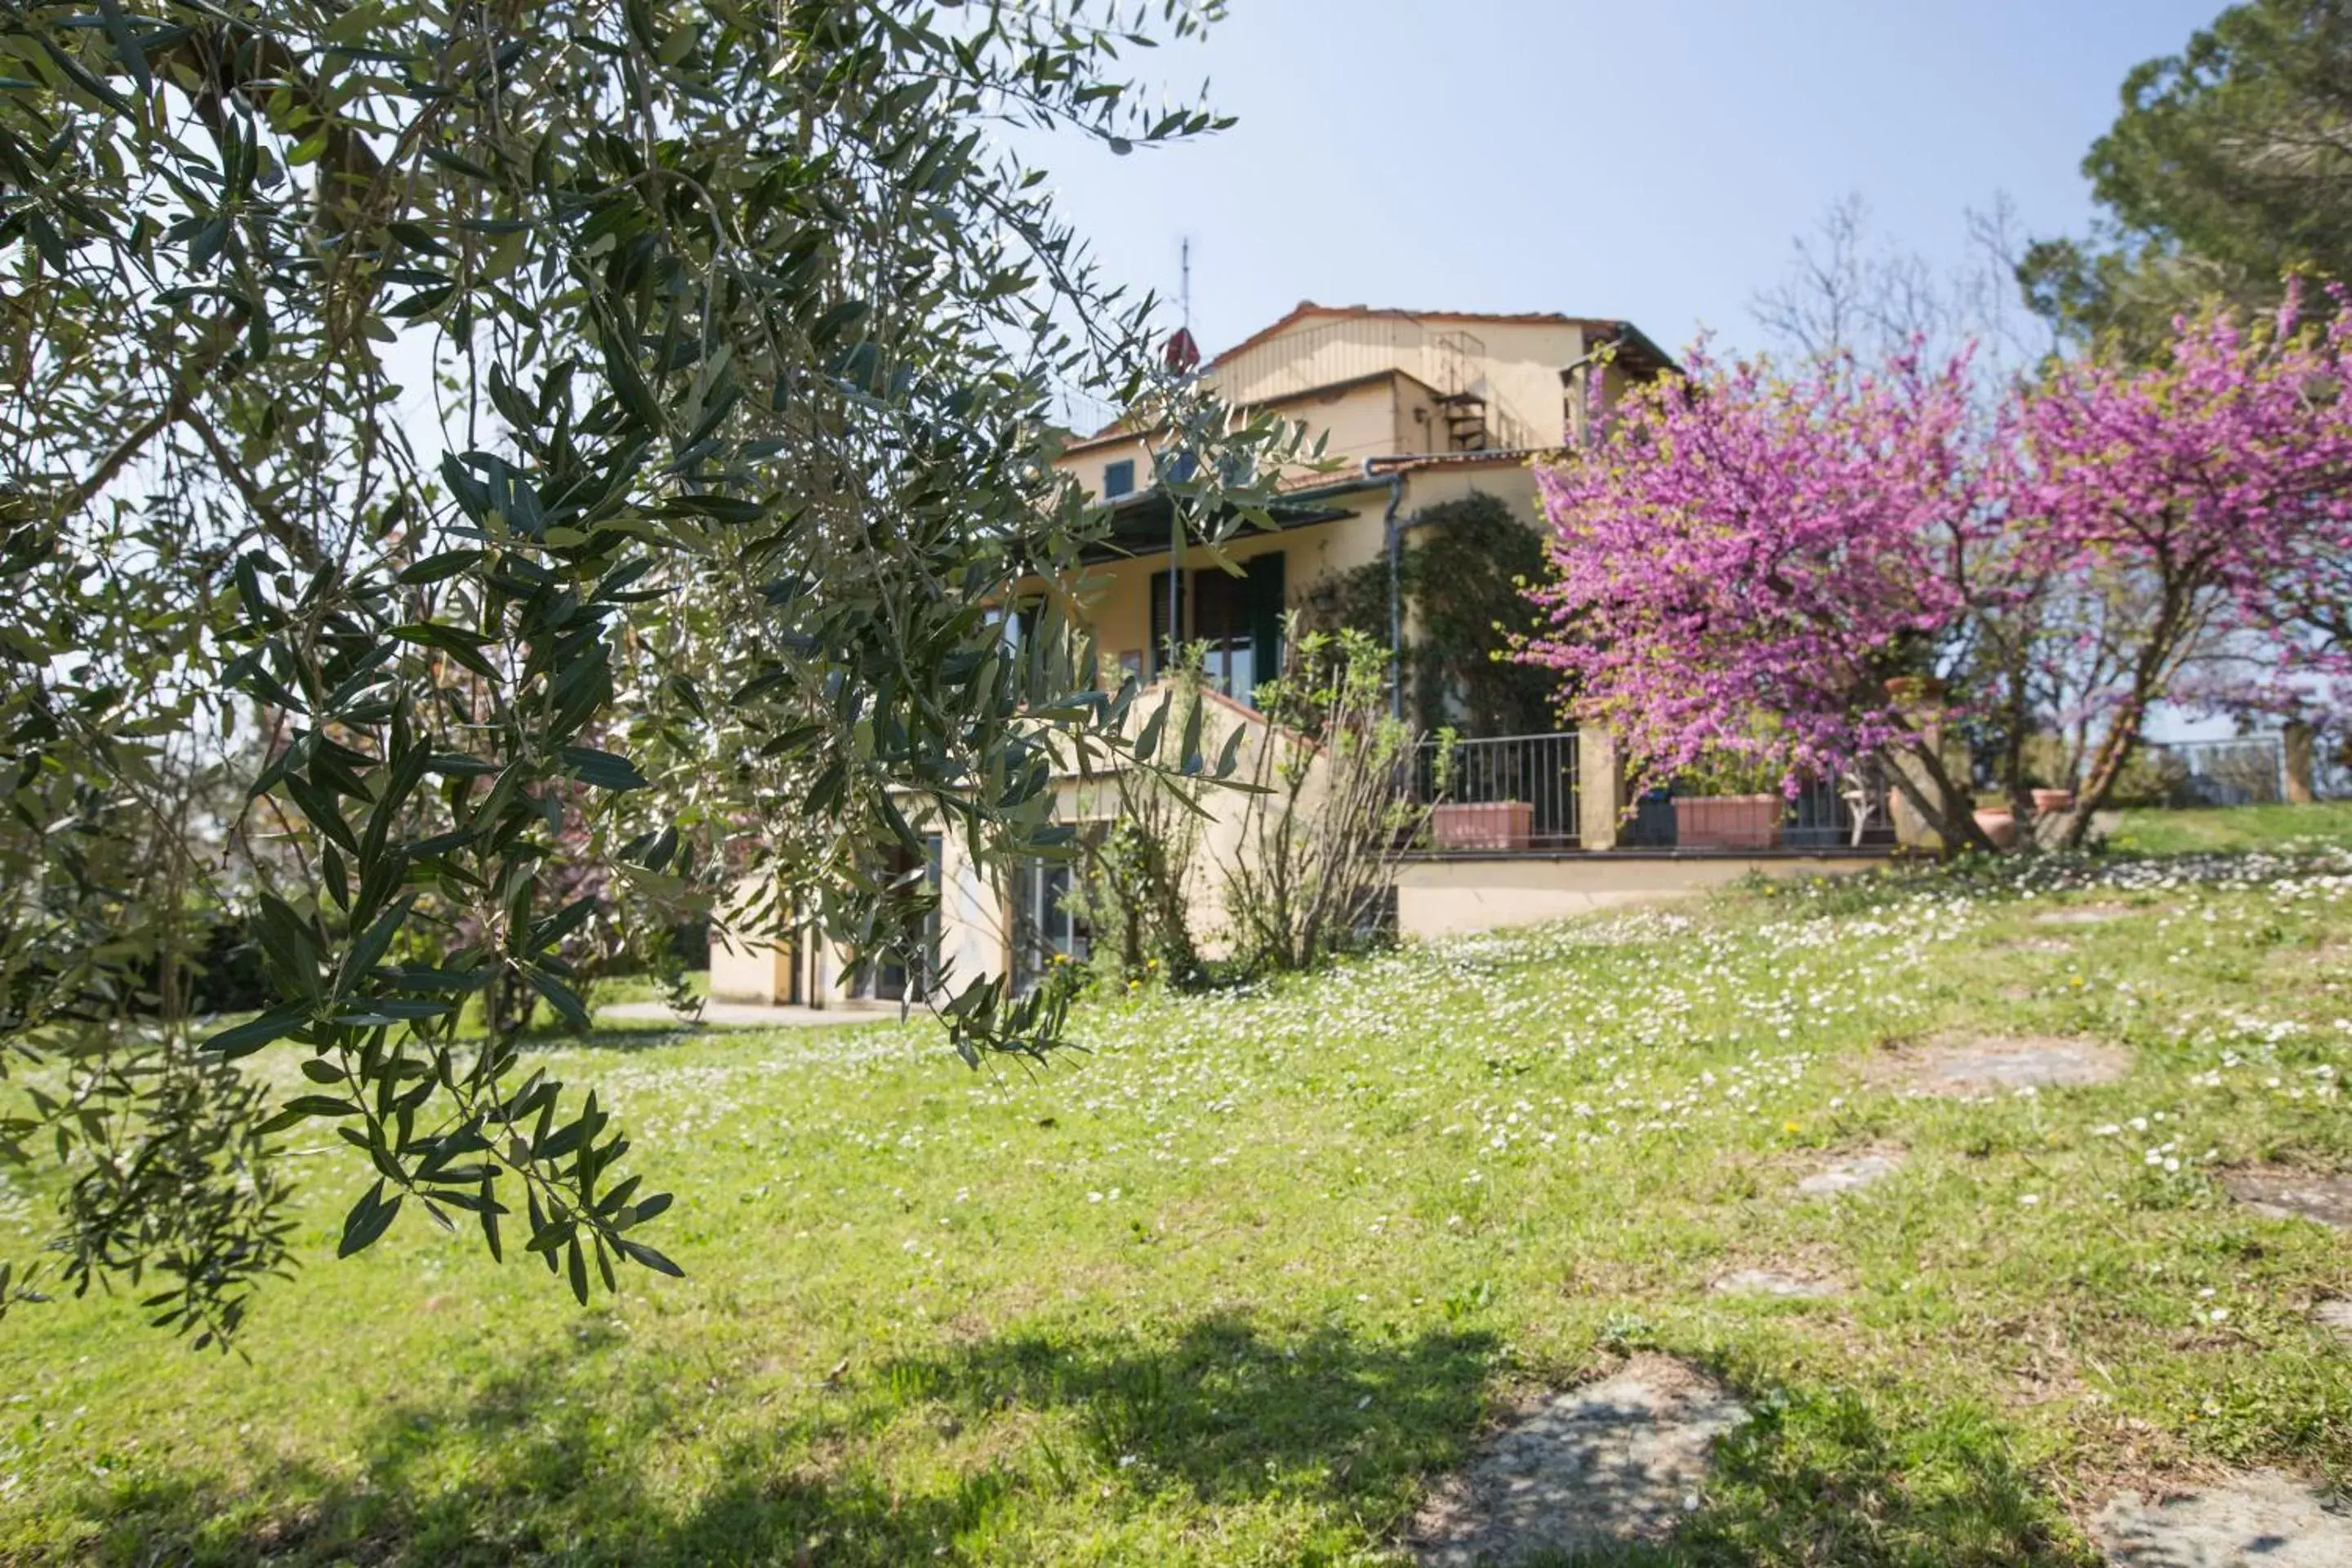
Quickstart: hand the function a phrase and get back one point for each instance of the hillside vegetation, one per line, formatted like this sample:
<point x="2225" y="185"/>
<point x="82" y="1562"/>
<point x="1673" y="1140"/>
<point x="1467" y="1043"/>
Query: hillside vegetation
<point x="1238" y="1280"/>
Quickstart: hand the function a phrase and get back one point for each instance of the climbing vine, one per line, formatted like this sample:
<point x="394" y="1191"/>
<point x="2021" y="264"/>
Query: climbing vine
<point x="1464" y="569"/>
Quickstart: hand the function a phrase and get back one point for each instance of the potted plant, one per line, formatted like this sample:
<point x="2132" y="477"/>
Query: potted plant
<point x="1483" y="825"/>
<point x="1730" y="803"/>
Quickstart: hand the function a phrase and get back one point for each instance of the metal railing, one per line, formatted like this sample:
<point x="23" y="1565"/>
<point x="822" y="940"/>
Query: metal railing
<point x="2246" y="769"/>
<point x="1521" y="792"/>
<point x="1849" y="812"/>
<point x="1852" y="811"/>
<point x="1512" y="792"/>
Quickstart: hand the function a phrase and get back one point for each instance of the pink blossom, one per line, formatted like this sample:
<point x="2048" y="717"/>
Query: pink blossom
<point x="1743" y="560"/>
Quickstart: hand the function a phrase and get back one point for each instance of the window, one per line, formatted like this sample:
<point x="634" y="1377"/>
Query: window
<point x="1119" y="478"/>
<point x="1239" y="620"/>
<point x="1222" y="623"/>
<point x="1044" y="931"/>
<point x="887" y="976"/>
<point x="1018" y="629"/>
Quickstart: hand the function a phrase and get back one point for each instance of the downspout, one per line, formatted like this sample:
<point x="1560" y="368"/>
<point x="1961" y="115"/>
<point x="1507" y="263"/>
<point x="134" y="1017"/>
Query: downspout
<point x="1394" y="539"/>
<point x="1169" y="656"/>
<point x="1576" y="432"/>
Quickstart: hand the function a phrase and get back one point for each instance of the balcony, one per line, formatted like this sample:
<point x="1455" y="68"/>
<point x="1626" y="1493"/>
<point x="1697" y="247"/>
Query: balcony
<point x="1511" y="794"/>
<point x="1523" y="794"/>
<point x="1849" y="814"/>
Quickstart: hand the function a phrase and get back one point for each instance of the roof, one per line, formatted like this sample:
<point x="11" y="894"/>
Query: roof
<point x="1635" y="349"/>
<point x="1139" y="522"/>
<point x="1121" y="430"/>
<point x="1307" y="309"/>
<point x="1408" y="462"/>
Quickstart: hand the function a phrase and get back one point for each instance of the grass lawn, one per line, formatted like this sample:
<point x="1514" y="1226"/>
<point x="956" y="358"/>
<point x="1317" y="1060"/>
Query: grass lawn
<point x="1237" y="1282"/>
<point x="2247" y="828"/>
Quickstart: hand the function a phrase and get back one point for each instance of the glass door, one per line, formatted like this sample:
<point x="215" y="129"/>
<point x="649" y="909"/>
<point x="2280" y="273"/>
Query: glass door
<point x="1044" y="931"/>
<point x="889" y="977"/>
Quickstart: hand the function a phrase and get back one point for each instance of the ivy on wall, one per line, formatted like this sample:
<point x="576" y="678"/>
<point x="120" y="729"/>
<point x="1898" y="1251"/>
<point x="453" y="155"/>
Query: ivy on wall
<point x="1463" y="565"/>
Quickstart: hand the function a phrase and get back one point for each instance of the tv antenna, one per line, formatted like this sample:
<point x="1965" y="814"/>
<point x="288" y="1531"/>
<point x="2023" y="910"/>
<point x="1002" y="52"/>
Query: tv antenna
<point x="1181" y="354"/>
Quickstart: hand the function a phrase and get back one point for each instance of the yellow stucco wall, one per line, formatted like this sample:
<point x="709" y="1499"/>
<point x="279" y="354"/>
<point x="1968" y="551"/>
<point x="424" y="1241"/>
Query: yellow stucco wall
<point x="1517" y="364"/>
<point x="749" y="969"/>
<point x="1447" y="898"/>
<point x="1115" y="597"/>
<point x="1092" y="457"/>
<point x="1388" y="409"/>
<point x="975" y="934"/>
<point x="1386" y="416"/>
<point x="1226" y="811"/>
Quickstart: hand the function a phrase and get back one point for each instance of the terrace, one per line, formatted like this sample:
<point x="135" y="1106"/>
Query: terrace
<point x="1526" y="827"/>
<point x="1522" y="795"/>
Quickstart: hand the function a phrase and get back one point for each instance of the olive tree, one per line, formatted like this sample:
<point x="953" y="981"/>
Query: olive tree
<point x="450" y="442"/>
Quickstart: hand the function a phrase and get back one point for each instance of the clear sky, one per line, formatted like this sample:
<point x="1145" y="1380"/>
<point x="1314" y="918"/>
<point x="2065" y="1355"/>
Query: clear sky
<point x="1644" y="159"/>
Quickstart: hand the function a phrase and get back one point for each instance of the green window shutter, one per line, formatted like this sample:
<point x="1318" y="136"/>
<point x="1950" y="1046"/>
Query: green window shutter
<point x="1157" y="658"/>
<point x="1265" y="606"/>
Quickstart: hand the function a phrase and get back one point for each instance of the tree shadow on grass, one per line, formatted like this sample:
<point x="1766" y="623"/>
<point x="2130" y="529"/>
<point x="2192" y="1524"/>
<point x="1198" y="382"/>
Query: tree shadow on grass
<point x="1003" y="1448"/>
<point x="1816" y="1477"/>
<point x="523" y="1467"/>
<point x="510" y="1478"/>
<point x="1225" y="1410"/>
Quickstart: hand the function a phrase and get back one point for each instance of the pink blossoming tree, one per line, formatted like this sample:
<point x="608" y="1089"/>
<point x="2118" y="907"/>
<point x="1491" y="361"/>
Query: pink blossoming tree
<point x="1788" y="571"/>
<point x="2210" y="501"/>
<point x="1763" y="569"/>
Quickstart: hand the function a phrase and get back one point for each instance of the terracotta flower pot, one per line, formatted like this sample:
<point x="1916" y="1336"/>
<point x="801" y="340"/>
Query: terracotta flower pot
<point x="1999" y="825"/>
<point x="2046" y="801"/>
<point x="1729" y="821"/>
<point x="1483" y="825"/>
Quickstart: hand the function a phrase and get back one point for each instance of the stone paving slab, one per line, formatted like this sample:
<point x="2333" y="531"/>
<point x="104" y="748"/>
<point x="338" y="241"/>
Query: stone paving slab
<point x="2264" y="1520"/>
<point x="2336" y="1317"/>
<point x="1851" y="1173"/>
<point x="2083" y="915"/>
<point x="1612" y="1463"/>
<point x="1772" y="1282"/>
<point x="1956" y="1064"/>
<point x="2278" y="1193"/>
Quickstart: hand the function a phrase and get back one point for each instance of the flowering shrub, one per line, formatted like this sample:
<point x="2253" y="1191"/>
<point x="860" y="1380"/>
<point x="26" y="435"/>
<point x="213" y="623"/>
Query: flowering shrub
<point x="1330" y="807"/>
<point x="2220" y="488"/>
<point x="1792" y="570"/>
<point x="1747" y="561"/>
<point x="1136" y="886"/>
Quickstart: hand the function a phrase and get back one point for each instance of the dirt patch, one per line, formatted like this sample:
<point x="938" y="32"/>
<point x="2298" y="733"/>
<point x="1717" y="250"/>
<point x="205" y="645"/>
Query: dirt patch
<point x="2083" y="915"/>
<point x="1772" y="1282"/>
<point x="1955" y="1065"/>
<point x="2336" y="1317"/>
<point x="2296" y="960"/>
<point x="1617" y="1461"/>
<point x="2277" y="1193"/>
<point x="1851" y="1173"/>
<point x="2264" y="1520"/>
